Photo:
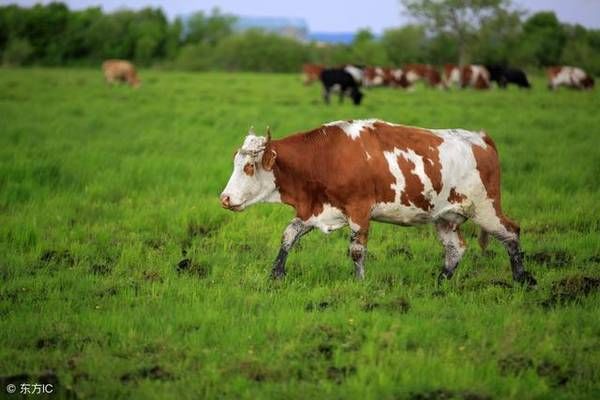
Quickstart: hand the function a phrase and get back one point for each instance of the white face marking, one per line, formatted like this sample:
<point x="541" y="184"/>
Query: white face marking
<point x="353" y="129"/>
<point x="244" y="190"/>
<point x="329" y="220"/>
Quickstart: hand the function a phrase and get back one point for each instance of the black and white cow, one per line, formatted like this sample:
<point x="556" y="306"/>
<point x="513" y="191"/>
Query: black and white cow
<point x="504" y="75"/>
<point x="347" y="80"/>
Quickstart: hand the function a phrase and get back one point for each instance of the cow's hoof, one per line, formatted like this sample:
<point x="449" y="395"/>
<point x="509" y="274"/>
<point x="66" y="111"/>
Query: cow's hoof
<point x="443" y="277"/>
<point x="527" y="279"/>
<point x="277" y="274"/>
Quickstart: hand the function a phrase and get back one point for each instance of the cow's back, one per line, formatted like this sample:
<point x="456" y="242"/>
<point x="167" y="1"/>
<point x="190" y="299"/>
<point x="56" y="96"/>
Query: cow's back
<point x="406" y="174"/>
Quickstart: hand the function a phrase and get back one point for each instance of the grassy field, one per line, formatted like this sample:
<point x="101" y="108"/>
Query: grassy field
<point x="121" y="277"/>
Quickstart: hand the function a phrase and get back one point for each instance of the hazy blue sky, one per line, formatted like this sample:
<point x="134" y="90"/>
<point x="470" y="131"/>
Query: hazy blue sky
<point x="332" y="15"/>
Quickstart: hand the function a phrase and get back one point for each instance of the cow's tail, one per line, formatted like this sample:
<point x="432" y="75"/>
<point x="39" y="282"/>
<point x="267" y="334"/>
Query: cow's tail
<point x="484" y="239"/>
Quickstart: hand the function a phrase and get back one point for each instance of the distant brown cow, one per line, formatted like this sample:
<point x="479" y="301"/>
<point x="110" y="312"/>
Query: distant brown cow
<point x="424" y="72"/>
<point x="120" y="71"/>
<point x="451" y="75"/>
<point x="378" y="76"/>
<point x="475" y="76"/>
<point x="311" y="73"/>
<point x="569" y="76"/>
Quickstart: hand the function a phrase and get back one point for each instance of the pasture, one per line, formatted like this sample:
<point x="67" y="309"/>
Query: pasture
<point x="121" y="276"/>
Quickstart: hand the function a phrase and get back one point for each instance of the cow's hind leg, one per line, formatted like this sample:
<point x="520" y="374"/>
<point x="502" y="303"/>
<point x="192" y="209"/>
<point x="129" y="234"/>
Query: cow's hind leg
<point x="454" y="246"/>
<point x="294" y="231"/>
<point x="507" y="232"/>
<point x="358" y="249"/>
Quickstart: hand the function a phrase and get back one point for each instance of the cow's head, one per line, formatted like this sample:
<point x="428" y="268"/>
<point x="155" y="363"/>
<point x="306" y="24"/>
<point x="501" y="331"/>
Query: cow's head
<point x="252" y="180"/>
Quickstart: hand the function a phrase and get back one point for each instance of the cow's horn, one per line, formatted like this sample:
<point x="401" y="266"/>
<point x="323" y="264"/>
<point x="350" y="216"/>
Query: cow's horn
<point x="268" y="133"/>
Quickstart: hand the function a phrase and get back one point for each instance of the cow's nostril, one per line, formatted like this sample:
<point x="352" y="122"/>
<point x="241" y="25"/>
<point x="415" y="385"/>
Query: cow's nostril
<point x="225" y="201"/>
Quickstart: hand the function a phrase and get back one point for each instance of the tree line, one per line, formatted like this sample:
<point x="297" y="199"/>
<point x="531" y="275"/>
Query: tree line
<point x="447" y="31"/>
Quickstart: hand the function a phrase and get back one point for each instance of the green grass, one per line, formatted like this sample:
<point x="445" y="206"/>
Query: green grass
<point x="104" y="190"/>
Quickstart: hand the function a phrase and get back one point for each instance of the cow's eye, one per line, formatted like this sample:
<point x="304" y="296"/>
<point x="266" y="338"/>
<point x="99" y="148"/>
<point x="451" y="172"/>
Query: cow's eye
<point x="249" y="169"/>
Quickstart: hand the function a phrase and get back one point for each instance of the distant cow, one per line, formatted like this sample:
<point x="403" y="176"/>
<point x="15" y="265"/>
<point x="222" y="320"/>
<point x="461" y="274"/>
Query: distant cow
<point x="451" y="75"/>
<point x="354" y="172"/>
<point x="475" y="76"/>
<point x="343" y="80"/>
<point x="504" y="75"/>
<point x="572" y="77"/>
<point x="424" y="72"/>
<point x="311" y="73"/>
<point x="120" y="71"/>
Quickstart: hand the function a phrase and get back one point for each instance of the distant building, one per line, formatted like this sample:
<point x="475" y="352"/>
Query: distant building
<point x="295" y="28"/>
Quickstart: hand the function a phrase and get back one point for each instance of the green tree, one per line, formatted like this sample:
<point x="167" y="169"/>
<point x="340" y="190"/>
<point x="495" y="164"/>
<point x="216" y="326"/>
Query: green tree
<point x="17" y="52"/>
<point x="209" y="29"/>
<point x="407" y="44"/>
<point x="544" y="38"/>
<point x="460" y="19"/>
<point x="366" y="50"/>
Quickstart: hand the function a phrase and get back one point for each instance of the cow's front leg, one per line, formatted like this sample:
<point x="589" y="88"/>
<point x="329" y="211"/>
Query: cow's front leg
<point x="294" y="231"/>
<point x="358" y="248"/>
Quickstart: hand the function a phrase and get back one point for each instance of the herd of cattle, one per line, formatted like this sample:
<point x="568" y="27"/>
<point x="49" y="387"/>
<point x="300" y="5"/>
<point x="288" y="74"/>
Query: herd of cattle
<point x="348" y="79"/>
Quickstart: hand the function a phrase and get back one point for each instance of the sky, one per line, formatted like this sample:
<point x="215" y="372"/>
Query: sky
<point x="330" y="15"/>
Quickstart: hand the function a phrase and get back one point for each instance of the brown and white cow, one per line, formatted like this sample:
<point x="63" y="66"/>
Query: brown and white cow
<point x="311" y="73"/>
<point x="377" y="76"/>
<point x="120" y="71"/>
<point x="572" y="77"/>
<point x="352" y="172"/>
<point x="475" y="76"/>
<point x="451" y="75"/>
<point x="425" y="73"/>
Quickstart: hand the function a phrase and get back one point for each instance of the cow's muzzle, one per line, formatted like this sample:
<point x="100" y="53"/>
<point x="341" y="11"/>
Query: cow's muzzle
<point x="226" y="203"/>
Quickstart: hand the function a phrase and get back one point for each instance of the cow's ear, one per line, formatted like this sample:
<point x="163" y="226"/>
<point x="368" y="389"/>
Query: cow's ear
<point x="268" y="159"/>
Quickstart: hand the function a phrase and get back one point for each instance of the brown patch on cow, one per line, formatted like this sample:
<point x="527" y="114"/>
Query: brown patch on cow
<point x="413" y="192"/>
<point x="488" y="166"/>
<point x="552" y="72"/>
<point x="311" y="72"/>
<point x="456" y="197"/>
<point x="425" y="72"/>
<point x="345" y="178"/>
<point x="249" y="169"/>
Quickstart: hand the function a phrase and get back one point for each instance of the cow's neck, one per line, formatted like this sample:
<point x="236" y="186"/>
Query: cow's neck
<point x="296" y="176"/>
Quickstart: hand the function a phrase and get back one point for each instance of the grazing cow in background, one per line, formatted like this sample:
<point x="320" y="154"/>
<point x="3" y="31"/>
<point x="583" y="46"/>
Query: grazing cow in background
<point x="311" y="73"/>
<point x="572" y="77"/>
<point x="504" y="75"/>
<point x="475" y="76"/>
<point x="399" y="78"/>
<point x="375" y="76"/>
<point x="451" y="75"/>
<point x="342" y="79"/>
<point x="351" y="172"/>
<point x="120" y="71"/>
<point x="424" y="72"/>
